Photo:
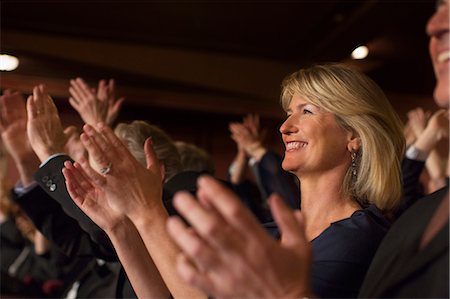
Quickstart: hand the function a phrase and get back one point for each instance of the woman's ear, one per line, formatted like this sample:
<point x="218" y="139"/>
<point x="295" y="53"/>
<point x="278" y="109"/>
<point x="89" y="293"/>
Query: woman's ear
<point x="354" y="143"/>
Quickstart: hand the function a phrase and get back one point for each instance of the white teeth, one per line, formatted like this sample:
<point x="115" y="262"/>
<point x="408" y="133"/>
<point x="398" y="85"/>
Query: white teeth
<point x="295" y="145"/>
<point x="443" y="56"/>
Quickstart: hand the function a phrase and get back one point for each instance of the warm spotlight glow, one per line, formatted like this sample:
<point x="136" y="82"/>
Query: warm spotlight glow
<point x="8" y="62"/>
<point x="360" y="53"/>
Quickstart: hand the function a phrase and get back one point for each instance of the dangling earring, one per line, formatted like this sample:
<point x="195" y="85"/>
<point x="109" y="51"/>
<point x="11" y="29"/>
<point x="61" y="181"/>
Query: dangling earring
<point x="354" y="156"/>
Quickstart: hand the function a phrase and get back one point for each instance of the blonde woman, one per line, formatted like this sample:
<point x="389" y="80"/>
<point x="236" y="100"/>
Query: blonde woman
<point x="344" y="142"/>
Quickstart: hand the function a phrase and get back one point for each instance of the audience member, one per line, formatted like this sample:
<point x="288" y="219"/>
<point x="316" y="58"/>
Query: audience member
<point x="336" y="120"/>
<point x="412" y="261"/>
<point x="265" y="166"/>
<point x="194" y="158"/>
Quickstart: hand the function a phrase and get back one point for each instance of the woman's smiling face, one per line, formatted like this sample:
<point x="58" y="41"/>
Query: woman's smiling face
<point x="313" y="139"/>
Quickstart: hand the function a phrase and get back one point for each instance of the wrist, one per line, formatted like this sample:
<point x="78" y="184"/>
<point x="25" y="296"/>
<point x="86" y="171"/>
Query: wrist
<point x="45" y="153"/>
<point x="426" y="142"/>
<point x="149" y="218"/>
<point x="256" y="151"/>
<point x="120" y="228"/>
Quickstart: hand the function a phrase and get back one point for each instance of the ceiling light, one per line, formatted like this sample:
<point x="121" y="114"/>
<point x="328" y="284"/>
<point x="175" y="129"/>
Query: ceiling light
<point x="8" y="62"/>
<point x="360" y="53"/>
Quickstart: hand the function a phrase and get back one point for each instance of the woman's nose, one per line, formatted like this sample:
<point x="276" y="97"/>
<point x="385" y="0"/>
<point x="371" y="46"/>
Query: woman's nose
<point x="288" y="127"/>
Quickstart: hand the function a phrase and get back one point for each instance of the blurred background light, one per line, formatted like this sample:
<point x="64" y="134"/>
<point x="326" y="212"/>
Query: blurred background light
<point x="8" y="62"/>
<point x="360" y="52"/>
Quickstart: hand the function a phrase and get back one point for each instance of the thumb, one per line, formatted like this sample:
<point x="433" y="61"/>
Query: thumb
<point x="150" y="156"/>
<point x="289" y="222"/>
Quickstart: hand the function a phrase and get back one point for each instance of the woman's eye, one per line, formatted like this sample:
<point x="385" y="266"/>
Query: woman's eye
<point x="306" y="111"/>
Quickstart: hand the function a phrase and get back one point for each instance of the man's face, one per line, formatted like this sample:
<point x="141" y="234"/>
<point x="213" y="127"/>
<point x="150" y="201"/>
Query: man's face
<point x="438" y="30"/>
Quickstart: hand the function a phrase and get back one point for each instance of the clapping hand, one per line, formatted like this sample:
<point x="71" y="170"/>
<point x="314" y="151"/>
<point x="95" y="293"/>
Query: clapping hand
<point x="95" y="106"/>
<point x="44" y="128"/>
<point x="228" y="255"/>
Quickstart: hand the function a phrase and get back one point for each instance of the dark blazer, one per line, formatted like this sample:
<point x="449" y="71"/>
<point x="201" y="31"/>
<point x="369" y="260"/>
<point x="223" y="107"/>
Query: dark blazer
<point x="51" y="179"/>
<point x="412" y="189"/>
<point x="399" y="269"/>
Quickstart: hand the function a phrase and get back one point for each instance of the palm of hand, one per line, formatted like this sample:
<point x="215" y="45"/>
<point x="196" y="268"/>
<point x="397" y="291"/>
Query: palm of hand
<point x="16" y="140"/>
<point x="133" y="188"/>
<point x="95" y="205"/>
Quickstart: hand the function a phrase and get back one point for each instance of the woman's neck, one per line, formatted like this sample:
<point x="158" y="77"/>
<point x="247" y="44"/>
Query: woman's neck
<point x="323" y="202"/>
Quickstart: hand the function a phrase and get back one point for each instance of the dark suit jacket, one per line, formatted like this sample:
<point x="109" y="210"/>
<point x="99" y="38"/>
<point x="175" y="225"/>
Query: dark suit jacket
<point x="400" y="269"/>
<point x="412" y="189"/>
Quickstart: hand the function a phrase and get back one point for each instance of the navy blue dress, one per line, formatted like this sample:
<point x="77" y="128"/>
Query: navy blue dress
<point x="343" y="252"/>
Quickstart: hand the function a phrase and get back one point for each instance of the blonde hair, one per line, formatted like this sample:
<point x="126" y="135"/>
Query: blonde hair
<point x="360" y="106"/>
<point x="134" y="136"/>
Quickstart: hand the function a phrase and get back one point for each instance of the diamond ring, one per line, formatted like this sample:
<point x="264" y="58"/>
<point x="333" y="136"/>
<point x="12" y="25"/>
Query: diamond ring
<point x="106" y="170"/>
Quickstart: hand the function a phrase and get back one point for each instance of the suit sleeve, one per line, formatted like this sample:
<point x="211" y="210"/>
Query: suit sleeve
<point x="51" y="180"/>
<point x="63" y="231"/>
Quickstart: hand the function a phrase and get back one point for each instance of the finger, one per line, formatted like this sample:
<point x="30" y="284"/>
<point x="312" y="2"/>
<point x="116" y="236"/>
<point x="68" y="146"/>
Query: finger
<point x="291" y="231"/>
<point x="50" y="104"/>
<point x="203" y="256"/>
<point x="74" y="103"/>
<point x="97" y="137"/>
<point x="111" y="90"/>
<point x="73" y="187"/>
<point x="210" y="226"/>
<point x="84" y="88"/>
<point x="192" y="275"/>
<point x="75" y="92"/>
<point x="102" y="90"/>
<point x="90" y="174"/>
<point x="229" y="206"/>
<point x="150" y="155"/>
<point x="97" y="154"/>
<point x="37" y="99"/>
<point x="32" y="110"/>
<point x="117" y="105"/>
<point x="43" y="102"/>
<point x="3" y="113"/>
<point x="117" y="148"/>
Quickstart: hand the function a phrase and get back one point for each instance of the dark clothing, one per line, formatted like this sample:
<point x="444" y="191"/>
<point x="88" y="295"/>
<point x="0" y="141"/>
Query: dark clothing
<point x="412" y="189"/>
<point x="342" y="253"/>
<point x="272" y="178"/>
<point x="11" y="243"/>
<point x="51" y="179"/>
<point x="400" y="269"/>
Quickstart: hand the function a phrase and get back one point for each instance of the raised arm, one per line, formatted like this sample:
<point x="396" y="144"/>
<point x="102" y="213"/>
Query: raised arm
<point x="129" y="246"/>
<point x="136" y="191"/>
<point x="47" y="139"/>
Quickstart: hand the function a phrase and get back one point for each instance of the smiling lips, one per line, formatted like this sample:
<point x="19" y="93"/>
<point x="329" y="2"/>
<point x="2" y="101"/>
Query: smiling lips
<point x="293" y="145"/>
<point x="443" y="56"/>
